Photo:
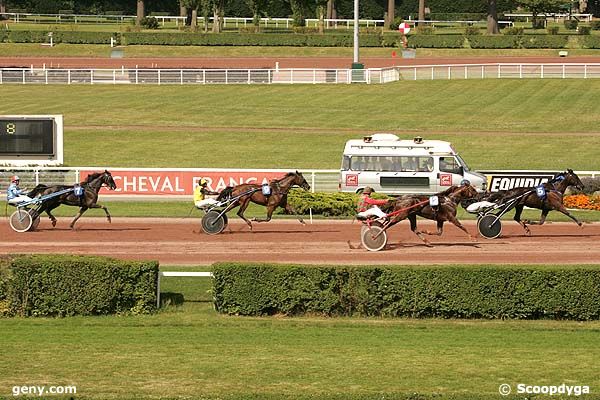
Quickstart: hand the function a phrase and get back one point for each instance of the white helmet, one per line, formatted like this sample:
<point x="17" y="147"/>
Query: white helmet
<point x="15" y="178"/>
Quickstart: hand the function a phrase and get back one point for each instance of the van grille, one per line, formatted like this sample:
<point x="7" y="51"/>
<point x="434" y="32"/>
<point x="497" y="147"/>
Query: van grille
<point x="399" y="181"/>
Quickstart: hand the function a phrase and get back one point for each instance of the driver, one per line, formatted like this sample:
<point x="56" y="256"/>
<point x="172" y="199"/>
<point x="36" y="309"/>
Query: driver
<point x="200" y="193"/>
<point x="14" y="194"/>
<point x="368" y="207"/>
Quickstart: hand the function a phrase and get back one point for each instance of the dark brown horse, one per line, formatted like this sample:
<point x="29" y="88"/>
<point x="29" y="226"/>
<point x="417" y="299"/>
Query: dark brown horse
<point x="279" y="188"/>
<point x="553" y="200"/>
<point x="409" y="207"/>
<point x="89" y="198"/>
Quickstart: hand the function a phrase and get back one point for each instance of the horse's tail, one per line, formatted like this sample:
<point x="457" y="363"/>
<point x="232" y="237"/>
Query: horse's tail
<point x="225" y="193"/>
<point x="37" y="190"/>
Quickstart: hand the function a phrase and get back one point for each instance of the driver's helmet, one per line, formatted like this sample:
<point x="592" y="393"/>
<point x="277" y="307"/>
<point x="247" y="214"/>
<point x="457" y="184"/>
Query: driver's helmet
<point x="15" y="178"/>
<point x="465" y="182"/>
<point x="203" y="182"/>
<point x="368" y="190"/>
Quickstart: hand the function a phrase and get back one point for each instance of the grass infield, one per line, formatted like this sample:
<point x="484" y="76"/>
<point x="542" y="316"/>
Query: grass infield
<point x="494" y="124"/>
<point x="189" y="351"/>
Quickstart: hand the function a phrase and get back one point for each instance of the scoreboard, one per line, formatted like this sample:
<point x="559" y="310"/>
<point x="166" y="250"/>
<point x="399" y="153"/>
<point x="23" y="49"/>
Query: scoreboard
<point x="31" y="140"/>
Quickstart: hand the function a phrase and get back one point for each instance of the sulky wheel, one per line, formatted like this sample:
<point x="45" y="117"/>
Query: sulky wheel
<point x="489" y="226"/>
<point x="21" y="221"/>
<point x="213" y="223"/>
<point x="373" y="239"/>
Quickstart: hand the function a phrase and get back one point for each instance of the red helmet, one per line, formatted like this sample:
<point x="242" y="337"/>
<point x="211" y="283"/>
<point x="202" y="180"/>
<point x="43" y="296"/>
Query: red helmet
<point x="15" y="178"/>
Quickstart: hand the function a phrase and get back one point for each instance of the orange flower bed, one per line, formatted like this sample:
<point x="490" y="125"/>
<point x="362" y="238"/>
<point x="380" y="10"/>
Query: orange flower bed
<point x="582" y="201"/>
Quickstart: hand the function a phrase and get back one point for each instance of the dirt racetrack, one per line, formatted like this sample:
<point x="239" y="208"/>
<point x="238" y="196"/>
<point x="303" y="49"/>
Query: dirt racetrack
<point x="178" y="242"/>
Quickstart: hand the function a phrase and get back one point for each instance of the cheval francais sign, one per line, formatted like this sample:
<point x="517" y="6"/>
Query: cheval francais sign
<point x="165" y="182"/>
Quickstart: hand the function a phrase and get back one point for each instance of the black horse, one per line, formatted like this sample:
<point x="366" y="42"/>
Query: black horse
<point x="409" y="207"/>
<point x="553" y="199"/>
<point x="251" y="192"/>
<point x="89" y="198"/>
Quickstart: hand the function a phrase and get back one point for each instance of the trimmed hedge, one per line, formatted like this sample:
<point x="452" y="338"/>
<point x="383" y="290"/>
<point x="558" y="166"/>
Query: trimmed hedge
<point x="494" y="42"/>
<point x="327" y="204"/>
<point x="60" y="37"/>
<point x="61" y="285"/>
<point x="521" y="292"/>
<point x="436" y="41"/>
<point x="248" y="39"/>
<point x="591" y="42"/>
<point x="544" y="41"/>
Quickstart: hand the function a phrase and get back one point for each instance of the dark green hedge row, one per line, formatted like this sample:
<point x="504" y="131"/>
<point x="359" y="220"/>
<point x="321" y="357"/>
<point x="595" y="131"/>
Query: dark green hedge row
<point x="522" y="292"/>
<point x="342" y="39"/>
<point x="51" y="285"/>
<point x="60" y="37"/>
<point x="327" y="204"/>
<point x="248" y="39"/>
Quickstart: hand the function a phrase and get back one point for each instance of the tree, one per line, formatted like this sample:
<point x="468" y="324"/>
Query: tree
<point x="492" y="18"/>
<point x="218" y="7"/>
<point x="536" y="7"/>
<point x="391" y="7"/>
<point x="321" y="8"/>
<point x="331" y="11"/>
<point x="2" y="7"/>
<point x="140" y="12"/>
<point x="298" y="12"/>
<point x="421" y="10"/>
<point x="257" y="7"/>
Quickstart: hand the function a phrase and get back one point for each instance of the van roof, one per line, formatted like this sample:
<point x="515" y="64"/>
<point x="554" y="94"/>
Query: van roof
<point x="390" y="144"/>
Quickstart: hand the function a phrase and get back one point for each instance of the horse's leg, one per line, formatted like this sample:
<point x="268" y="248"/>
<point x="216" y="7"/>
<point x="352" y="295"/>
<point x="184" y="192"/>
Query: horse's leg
<point x="290" y="211"/>
<point x="243" y="205"/>
<point x="517" y="217"/>
<point x="270" y="209"/>
<point x="96" y="205"/>
<point x="81" y="211"/>
<point x="563" y="210"/>
<point x="413" y="227"/>
<point x="456" y="222"/>
<point x="48" y="210"/>
<point x="542" y="218"/>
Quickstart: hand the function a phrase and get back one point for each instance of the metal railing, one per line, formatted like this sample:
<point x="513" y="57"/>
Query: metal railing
<point x="176" y="20"/>
<point x="156" y="76"/>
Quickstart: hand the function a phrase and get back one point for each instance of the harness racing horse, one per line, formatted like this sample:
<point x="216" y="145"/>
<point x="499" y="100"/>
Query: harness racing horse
<point x="250" y="192"/>
<point x="412" y="206"/>
<point x="89" y="199"/>
<point x="554" y="191"/>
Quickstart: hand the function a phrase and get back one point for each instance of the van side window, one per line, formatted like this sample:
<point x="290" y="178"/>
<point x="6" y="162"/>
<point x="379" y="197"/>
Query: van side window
<point x="425" y="164"/>
<point x="449" y="164"/>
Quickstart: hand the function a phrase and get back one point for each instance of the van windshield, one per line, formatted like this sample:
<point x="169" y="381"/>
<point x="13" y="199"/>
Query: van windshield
<point x="391" y="163"/>
<point x="463" y="163"/>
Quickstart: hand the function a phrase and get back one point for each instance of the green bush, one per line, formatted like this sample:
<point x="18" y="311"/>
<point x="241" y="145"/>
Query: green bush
<point x="61" y="285"/>
<point x="326" y="204"/>
<point x="522" y="292"/>
<point x="585" y="30"/>
<point x="494" y="42"/>
<point x="27" y="37"/>
<point x="472" y="31"/>
<point x="72" y="37"/>
<point x="553" y="30"/>
<point x="591" y="42"/>
<point x="436" y="41"/>
<point x="544" y="41"/>
<point x="250" y="39"/>
<point x="571" y="24"/>
<point x="595" y="25"/>
<point x="149" y="23"/>
<point x="514" y="30"/>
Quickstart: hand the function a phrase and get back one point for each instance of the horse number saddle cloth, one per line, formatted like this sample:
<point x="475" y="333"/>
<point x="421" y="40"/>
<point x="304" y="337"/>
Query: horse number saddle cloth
<point x="540" y="191"/>
<point x="434" y="201"/>
<point x="78" y="191"/>
<point x="266" y="189"/>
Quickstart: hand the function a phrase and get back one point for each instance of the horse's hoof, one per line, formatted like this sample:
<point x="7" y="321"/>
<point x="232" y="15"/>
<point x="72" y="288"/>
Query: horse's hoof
<point x="54" y="224"/>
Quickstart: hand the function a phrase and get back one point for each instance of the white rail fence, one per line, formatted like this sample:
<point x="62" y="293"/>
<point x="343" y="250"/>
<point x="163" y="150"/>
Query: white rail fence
<point x="175" y="21"/>
<point x="157" y="76"/>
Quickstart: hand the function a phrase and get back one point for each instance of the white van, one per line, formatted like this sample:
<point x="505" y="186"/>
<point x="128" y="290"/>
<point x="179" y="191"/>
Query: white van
<point x="393" y="166"/>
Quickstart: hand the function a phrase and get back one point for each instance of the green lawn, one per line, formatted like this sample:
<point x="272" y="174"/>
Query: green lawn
<point x="494" y="124"/>
<point x="191" y="352"/>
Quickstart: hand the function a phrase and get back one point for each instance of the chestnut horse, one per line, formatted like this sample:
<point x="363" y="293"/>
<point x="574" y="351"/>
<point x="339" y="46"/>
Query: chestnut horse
<point x="251" y="192"/>
<point x="409" y="207"/>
